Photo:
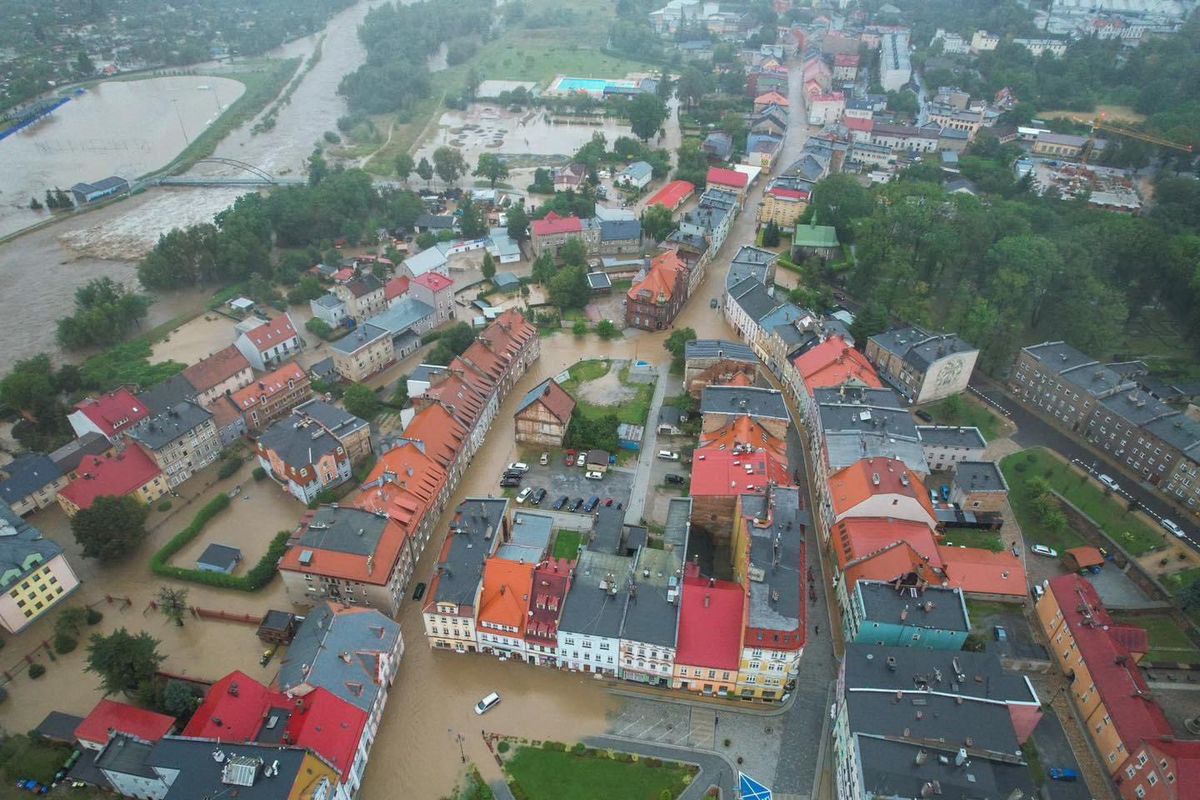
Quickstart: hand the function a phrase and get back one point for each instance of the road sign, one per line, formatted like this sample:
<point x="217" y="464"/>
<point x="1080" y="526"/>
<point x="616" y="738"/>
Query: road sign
<point x="750" y="789"/>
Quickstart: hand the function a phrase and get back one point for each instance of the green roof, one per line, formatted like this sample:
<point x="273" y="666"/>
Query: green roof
<point x="815" y="236"/>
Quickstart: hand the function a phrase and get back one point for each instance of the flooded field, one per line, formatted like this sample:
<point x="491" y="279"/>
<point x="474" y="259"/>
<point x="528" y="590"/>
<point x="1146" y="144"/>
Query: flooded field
<point x="125" y="128"/>
<point x="196" y="339"/>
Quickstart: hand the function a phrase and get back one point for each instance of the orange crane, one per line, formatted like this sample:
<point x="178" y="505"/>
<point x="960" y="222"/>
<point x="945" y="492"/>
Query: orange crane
<point x="1098" y="124"/>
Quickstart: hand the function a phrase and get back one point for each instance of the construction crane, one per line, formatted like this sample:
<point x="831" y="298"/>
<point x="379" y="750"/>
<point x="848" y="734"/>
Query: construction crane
<point x="1099" y="124"/>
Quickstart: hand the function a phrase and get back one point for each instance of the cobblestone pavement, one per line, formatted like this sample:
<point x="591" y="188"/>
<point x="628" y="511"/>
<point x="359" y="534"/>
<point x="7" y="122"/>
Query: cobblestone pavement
<point x="1052" y="689"/>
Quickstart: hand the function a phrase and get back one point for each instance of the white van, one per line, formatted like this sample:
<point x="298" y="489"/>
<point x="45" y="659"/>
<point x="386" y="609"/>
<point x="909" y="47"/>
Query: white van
<point x="487" y="704"/>
<point x="1109" y="482"/>
<point x="1173" y="528"/>
<point x="667" y="455"/>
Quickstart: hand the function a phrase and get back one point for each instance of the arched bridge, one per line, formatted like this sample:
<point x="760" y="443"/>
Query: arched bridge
<point x="257" y="176"/>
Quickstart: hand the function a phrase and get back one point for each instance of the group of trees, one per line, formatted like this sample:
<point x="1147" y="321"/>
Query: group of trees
<point x="105" y="312"/>
<point x="450" y="343"/>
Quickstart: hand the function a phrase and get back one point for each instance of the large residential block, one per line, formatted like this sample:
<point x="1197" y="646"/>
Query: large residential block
<point x="34" y="573"/>
<point x="182" y="440"/>
<point x="272" y="396"/>
<point x="478" y="526"/>
<point x="923" y="366"/>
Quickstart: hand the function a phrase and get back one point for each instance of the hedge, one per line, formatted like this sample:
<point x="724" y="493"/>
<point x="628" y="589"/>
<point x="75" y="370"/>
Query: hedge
<point x="256" y="578"/>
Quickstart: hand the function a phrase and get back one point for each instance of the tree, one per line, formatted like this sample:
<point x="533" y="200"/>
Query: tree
<point x="580" y="328"/>
<point x="1189" y="597"/>
<point x="361" y="401"/>
<point x="172" y="603"/>
<point x="691" y="162"/>
<point x="492" y="167"/>
<point x="770" y="236"/>
<point x="84" y="65"/>
<point x="488" y="268"/>
<point x="448" y="163"/>
<point x="518" y="223"/>
<point x="543" y="269"/>
<point x="425" y="170"/>
<point x="404" y="166"/>
<point x="35" y="204"/>
<point x="470" y="221"/>
<point x="693" y="85"/>
<point x="569" y="288"/>
<point x="105" y="311"/>
<point x="646" y="115"/>
<point x="111" y="527"/>
<point x="870" y="320"/>
<point x="573" y="253"/>
<point x="180" y="699"/>
<point x="123" y="661"/>
<point x="605" y="329"/>
<point x="657" y="222"/>
<point x="71" y="621"/>
<point x="676" y="345"/>
<point x="318" y="168"/>
<point x="400" y="396"/>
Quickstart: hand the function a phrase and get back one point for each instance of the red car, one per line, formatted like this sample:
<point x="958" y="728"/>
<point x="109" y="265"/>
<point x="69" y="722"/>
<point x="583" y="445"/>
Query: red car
<point x="608" y="501"/>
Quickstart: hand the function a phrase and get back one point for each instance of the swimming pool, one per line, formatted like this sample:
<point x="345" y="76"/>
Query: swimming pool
<point x="589" y="85"/>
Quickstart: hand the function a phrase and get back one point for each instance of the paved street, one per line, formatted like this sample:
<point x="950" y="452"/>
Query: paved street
<point x="635" y="509"/>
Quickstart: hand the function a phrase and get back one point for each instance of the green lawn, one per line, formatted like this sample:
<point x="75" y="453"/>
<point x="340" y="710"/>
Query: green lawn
<point x="1167" y="641"/>
<point x="965" y="537"/>
<point x="1110" y="513"/>
<point x="633" y="411"/>
<point x="553" y="775"/>
<point x="566" y="545"/>
<point x="1178" y="581"/>
<point x="980" y="610"/>
<point x="967" y="412"/>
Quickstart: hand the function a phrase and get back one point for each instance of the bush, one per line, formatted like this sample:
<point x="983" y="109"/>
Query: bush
<point x="580" y="328"/>
<point x="165" y="505"/>
<point x="229" y="466"/>
<point x="319" y="328"/>
<point x="503" y="747"/>
<point x="94" y="616"/>
<point x="36" y="671"/>
<point x="578" y="748"/>
<point x="258" y="473"/>
<point x="64" y="643"/>
<point x="517" y="792"/>
<point x="624" y="758"/>
<point x="557" y="747"/>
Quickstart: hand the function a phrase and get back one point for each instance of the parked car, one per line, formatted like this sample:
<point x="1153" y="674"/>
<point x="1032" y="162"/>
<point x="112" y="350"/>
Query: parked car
<point x="1109" y="482"/>
<point x="1000" y="634"/>
<point x="545" y="459"/>
<point x="524" y="495"/>
<point x="924" y="416"/>
<point x="591" y="504"/>
<point x="513" y="473"/>
<point x="1043" y="550"/>
<point x="676" y="479"/>
<point x="518" y="466"/>
<point x="560" y="502"/>
<point x="419" y="592"/>
<point x="578" y="504"/>
<point x="592" y="475"/>
<point x="569" y="460"/>
<point x="579" y="462"/>
<point x="1038" y="591"/>
<point x="539" y="494"/>
<point x="608" y="502"/>
<point x="713" y="303"/>
<point x="1172" y="527"/>
<point x="668" y="455"/>
<point x="508" y="482"/>
<point x="487" y="704"/>
<point x="1063" y="774"/>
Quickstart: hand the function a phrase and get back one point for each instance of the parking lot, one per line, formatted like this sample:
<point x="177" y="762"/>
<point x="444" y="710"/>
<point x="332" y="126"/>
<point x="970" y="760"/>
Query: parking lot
<point x="558" y="479"/>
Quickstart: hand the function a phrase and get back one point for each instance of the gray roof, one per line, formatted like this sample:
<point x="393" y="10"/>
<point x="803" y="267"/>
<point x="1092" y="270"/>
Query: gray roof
<point x="718" y="349"/>
<point x="474" y="531"/>
<point x="328" y="301"/>
<point x="426" y="372"/>
<point x="160" y="430"/>
<point x="323" y="369"/>
<point x="752" y="296"/>
<point x="750" y="262"/>
<point x="101" y="185"/>
<point x="220" y="555"/>
<point x="163" y="397"/>
<point x="979" y="476"/>
<point x="589" y="609"/>
<point x="763" y="403"/>
<point x="127" y="755"/>
<point x="298" y="446"/>
<point x="315" y="655"/>
<point x="649" y="616"/>
<point x="637" y="170"/>
<point x="933" y="717"/>
<point x="862" y="422"/>
<point x="69" y="456"/>
<point x="936" y="608"/>
<point x="1136" y="407"/>
<point x="435" y="221"/>
<point x="775" y="551"/>
<point x="27" y="473"/>
<point x="608" y="525"/>
<point x="338" y="421"/>
<point x="783" y="314"/>
<point x="1080" y="369"/>
<point x="889" y="769"/>
<point x="978" y="676"/>
<point x="400" y="317"/>
<point x="670" y="415"/>
<point x="427" y="260"/>
<point x="620" y="230"/>
<point x="951" y="436"/>
<point x="504" y="280"/>
<point x="599" y="280"/>
<point x="344" y="530"/>
<point x="529" y="538"/>
<point x="918" y="347"/>
<point x="59" y="726"/>
<point x="844" y="449"/>
<point x="200" y="775"/>
<point x="1179" y="431"/>
<point x="361" y="336"/>
<point x="22" y="547"/>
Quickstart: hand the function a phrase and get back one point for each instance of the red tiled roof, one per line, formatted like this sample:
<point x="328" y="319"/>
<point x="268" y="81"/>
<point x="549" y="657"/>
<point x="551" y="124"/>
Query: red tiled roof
<point x="672" y="194"/>
<point x="220" y="366"/>
<point x="111" y="476"/>
<point x="1086" y="556"/>
<point x="829" y="97"/>
<point x="1118" y="681"/>
<point x="110" y="717"/>
<point x="551" y="582"/>
<point x="433" y="281"/>
<point x="404" y="513"/>
<point x="504" y="594"/>
<point x="894" y="561"/>
<point x="553" y="223"/>
<point x="268" y="386"/>
<point x="396" y="287"/>
<point x="859" y="124"/>
<point x="738" y="379"/>
<point x="661" y="279"/>
<point x="727" y="177"/>
<point x="710" y="624"/>
<point x="404" y="467"/>
<point x="717" y="473"/>
<point x="979" y="571"/>
<point x="845" y="60"/>
<point x="271" y="334"/>
<point x="460" y="398"/>
<point x="832" y="363"/>
<point x="114" y="412"/>
<point x="344" y="274"/>
<point x="556" y="400"/>
<point x="787" y="194"/>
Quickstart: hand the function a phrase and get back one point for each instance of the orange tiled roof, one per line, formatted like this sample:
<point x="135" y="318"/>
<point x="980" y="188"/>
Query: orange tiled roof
<point x="857" y="538"/>
<point x="661" y="278"/>
<point x="220" y="366"/>
<point x="894" y="561"/>
<point x="374" y="568"/>
<point x="772" y="97"/>
<point x="441" y="434"/>
<point x="975" y="570"/>
<point x="404" y="467"/>
<point x="268" y="386"/>
<point x="504" y="598"/>
<point x="460" y="398"/>
<point x="833" y="363"/>
<point x="744" y="430"/>
<point x="738" y="379"/>
<point x="870" y="477"/>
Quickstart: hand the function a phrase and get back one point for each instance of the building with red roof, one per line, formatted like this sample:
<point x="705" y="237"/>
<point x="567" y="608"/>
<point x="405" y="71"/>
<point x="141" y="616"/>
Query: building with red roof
<point x="404" y="469"/>
<point x="729" y="179"/>
<point x="658" y="295"/>
<point x="860" y="128"/>
<point x="712" y="615"/>
<point x="552" y="231"/>
<point x="770" y="99"/>
<point x="984" y="574"/>
<point x="441" y="437"/>
<point x="128" y="473"/>
<point x="394" y="289"/>
<point x="845" y="66"/>
<point x="436" y="291"/>
<point x="109" y="415"/>
<point x="673" y="195"/>
<point x="551" y="582"/>
<point x="1110" y="693"/>
<point x="877" y="487"/>
<point x="1161" y="770"/>
<point x="741" y="457"/>
<point x="109" y="717"/>
<point x="272" y="396"/>
<point x="504" y="606"/>
<point x="224" y="371"/>
<point x="831" y="364"/>
<point x="782" y="206"/>
<point x="543" y="414"/>
<point x="269" y="344"/>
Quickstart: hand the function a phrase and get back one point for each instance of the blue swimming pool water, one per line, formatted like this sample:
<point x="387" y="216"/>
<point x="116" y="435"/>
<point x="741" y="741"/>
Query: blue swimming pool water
<point x="595" y="85"/>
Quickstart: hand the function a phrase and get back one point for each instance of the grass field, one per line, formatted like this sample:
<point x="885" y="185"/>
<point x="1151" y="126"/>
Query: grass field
<point x="566" y="544"/>
<point x="1110" y="513"/>
<point x="967" y="412"/>
<point x="1167" y="641"/>
<point x="965" y="537"/>
<point x="518" y="53"/>
<point x="632" y="411"/>
<point x="1156" y="339"/>
<point x="550" y="775"/>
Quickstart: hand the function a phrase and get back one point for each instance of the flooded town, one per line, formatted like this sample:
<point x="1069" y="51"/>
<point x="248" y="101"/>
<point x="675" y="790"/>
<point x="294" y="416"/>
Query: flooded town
<point x="475" y="399"/>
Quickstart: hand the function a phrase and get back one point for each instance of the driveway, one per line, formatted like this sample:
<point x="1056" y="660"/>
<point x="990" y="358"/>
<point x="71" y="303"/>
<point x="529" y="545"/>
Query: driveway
<point x="636" y="507"/>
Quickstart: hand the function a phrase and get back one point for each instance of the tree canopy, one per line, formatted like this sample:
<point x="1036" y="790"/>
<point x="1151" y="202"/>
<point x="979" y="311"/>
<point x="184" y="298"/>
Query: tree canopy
<point x="111" y="527"/>
<point x="124" y="661"/>
<point x="105" y="312"/>
<point x="492" y="167"/>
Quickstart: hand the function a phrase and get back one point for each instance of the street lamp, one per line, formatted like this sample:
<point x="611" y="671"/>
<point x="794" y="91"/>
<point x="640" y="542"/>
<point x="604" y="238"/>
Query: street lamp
<point x="458" y="737"/>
